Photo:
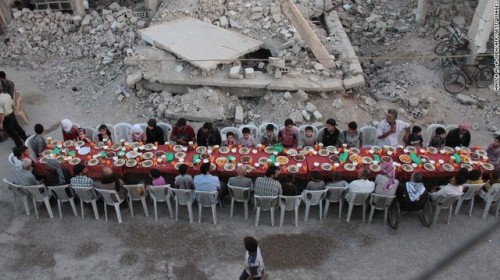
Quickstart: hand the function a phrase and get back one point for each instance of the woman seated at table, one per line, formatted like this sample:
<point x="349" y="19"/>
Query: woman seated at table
<point x="385" y="182"/>
<point x="110" y="182"/>
<point x="82" y="136"/>
<point x="104" y="134"/>
<point x="138" y="134"/>
<point x="69" y="130"/>
<point x="57" y="176"/>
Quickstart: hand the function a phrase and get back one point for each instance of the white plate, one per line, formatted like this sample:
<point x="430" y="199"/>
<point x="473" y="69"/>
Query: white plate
<point x="84" y="151"/>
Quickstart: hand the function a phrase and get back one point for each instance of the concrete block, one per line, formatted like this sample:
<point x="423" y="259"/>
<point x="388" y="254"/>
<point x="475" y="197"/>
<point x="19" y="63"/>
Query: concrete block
<point x="114" y="6"/>
<point x="277" y="62"/>
<point x="353" y="82"/>
<point x="17" y="14"/>
<point x="179" y="68"/>
<point x="238" y="114"/>
<point x="134" y="78"/>
<point x="249" y="73"/>
<point x="86" y="20"/>
<point x="120" y="97"/>
<point x="310" y="107"/>
<point x="302" y="95"/>
<point x="306" y="115"/>
<point x="223" y="21"/>
<point x="234" y="72"/>
<point x="317" y="115"/>
<point x="318" y="66"/>
<point x="287" y="95"/>
<point x="110" y="38"/>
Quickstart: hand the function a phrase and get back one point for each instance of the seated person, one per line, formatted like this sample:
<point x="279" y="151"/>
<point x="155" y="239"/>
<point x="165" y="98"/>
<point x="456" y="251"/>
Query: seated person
<point x="330" y="136"/>
<point x="183" y="181"/>
<point x="205" y="181"/>
<point x="182" y="132"/>
<point x="495" y="179"/>
<point x="268" y="185"/>
<point x="454" y="187"/>
<point x="475" y="177"/>
<point x="459" y="136"/>
<point x="240" y="180"/>
<point x="438" y="140"/>
<point x="308" y="139"/>
<point x="337" y="181"/>
<point x="154" y="133"/>
<point x="104" y="134"/>
<point x="289" y="186"/>
<point x="20" y="153"/>
<point x="157" y="179"/>
<point x="288" y="135"/>
<point x="352" y="137"/>
<point x="316" y="184"/>
<point x="110" y="182"/>
<point x="269" y="137"/>
<point x="38" y="143"/>
<point x="493" y="152"/>
<point x="385" y="182"/>
<point x="415" y="138"/>
<point x="230" y="140"/>
<point x="80" y="179"/>
<point x="56" y="176"/>
<point x="412" y="195"/>
<point x="362" y="185"/>
<point x="137" y="134"/>
<point x="69" y="130"/>
<point x="82" y="136"/>
<point x="247" y="140"/>
<point x="23" y="175"/>
<point x="208" y="135"/>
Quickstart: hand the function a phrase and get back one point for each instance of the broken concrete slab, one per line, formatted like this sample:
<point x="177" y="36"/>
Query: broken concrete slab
<point x="202" y="44"/>
<point x="238" y="114"/>
<point x="354" y="82"/>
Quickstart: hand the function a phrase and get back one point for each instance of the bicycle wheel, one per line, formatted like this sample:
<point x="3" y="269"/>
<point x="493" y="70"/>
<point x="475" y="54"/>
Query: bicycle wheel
<point x="454" y="82"/>
<point x="426" y="213"/>
<point x="445" y="47"/>
<point x="484" y="76"/>
<point x="394" y="213"/>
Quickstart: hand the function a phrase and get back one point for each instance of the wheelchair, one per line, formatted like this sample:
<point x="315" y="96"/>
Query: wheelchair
<point x="402" y="205"/>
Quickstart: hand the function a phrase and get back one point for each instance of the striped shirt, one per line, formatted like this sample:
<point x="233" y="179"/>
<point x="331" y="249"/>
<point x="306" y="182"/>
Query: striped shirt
<point x="24" y="177"/>
<point x="267" y="186"/>
<point x="82" y="181"/>
<point x="38" y="144"/>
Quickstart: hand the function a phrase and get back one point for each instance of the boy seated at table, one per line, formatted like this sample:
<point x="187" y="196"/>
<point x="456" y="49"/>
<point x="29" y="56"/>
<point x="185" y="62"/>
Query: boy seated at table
<point x="337" y="181"/>
<point x="269" y="137"/>
<point x="316" y="184"/>
<point x="289" y="186"/>
<point x="308" y="138"/>
<point x="247" y="140"/>
<point x="415" y="138"/>
<point x="439" y="138"/>
<point x="38" y="143"/>
<point x="475" y="177"/>
<point x="183" y="180"/>
<point x="230" y="140"/>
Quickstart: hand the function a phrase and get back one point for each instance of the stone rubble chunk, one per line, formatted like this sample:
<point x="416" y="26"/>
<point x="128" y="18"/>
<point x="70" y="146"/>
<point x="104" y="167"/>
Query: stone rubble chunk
<point x="287" y="95"/>
<point x="134" y="78"/>
<point x="223" y="22"/>
<point x="318" y="66"/>
<point x="114" y="7"/>
<point x="249" y="73"/>
<point x="310" y="107"/>
<point x="306" y="115"/>
<point x="413" y="101"/>
<point x="466" y="99"/>
<point x="337" y="103"/>
<point x="302" y="95"/>
<point x="179" y="68"/>
<point x="110" y="38"/>
<point x="317" y="115"/>
<point x="235" y="72"/>
<point x="238" y="114"/>
<point x="86" y="20"/>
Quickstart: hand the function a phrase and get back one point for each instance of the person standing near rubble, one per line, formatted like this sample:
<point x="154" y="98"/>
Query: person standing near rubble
<point x="8" y="120"/>
<point x="7" y="85"/>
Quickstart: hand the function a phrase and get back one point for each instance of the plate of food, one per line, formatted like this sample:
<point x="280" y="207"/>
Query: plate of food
<point x="474" y="156"/>
<point x="405" y="158"/>
<point x="282" y="160"/>
<point x="244" y="151"/>
<point x="134" y="145"/>
<point x="131" y="163"/>
<point x="390" y="149"/>
<point x="179" y="155"/>
<point x="245" y="159"/>
<point x="177" y="165"/>
<point x="204" y="156"/>
<point x="323" y="152"/>
<point x="213" y="166"/>
<point x="354" y="151"/>
<point x="93" y="162"/>
<point x="481" y="153"/>
<point x="449" y="150"/>
<point x="425" y="159"/>
<point x="99" y="145"/>
<point x="149" y="147"/>
<point x="331" y="149"/>
<point x="466" y="166"/>
<point x="132" y="154"/>
<point x="119" y="162"/>
<point x="116" y="147"/>
<point x="147" y="163"/>
<point x="411" y="149"/>
<point x="44" y="159"/>
<point x="224" y="150"/>
<point x="465" y="150"/>
<point x="269" y="149"/>
<point x="159" y="154"/>
<point x="248" y="168"/>
<point x="69" y="143"/>
<point x="487" y="166"/>
<point x="367" y="160"/>
<point x="147" y="155"/>
<point x="465" y="158"/>
<point x="61" y="159"/>
<point x="407" y="167"/>
<point x="47" y="153"/>
<point x="110" y="155"/>
<point x="349" y="167"/>
<point x="429" y="166"/>
<point x="75" y="161"/>
<point x="448" y="167"/>
<point x="326" y="166"/>
<point x="221" y="160"/>
<point x="374" y="167"/>
<point x="334" y="158"/>
<point x="201" y="149"/>
<point x="80" y="143"/>
<point x="375" y="149"/>
<point x="292" y="169"/>
<point x="386" y="159"/>
<point x="229" y="167"/>
<point x="292" y="152"/>
<point x="299" y="157"/>
<point x="304" y="152"/>
<point x="355" y="158"/>
<point x="177" y="148"/>
<point x="432" y="150"/>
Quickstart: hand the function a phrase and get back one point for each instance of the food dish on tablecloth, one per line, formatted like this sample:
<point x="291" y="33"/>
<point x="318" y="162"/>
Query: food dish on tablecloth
<point x="92" y="162"/>
<point x="449" y="150"/>
<point x="299" y="157"/>
<point x="75" y="161"/>
<point x="244" y="151"/>
<point x="354" y="150"/>
<point x="221" y="160"/>
<point x="367" y="160"/>
<point x="134" y="145"/>
<point x="405" y="158"/>
<point x="425" y="159"/>
<point x="245" y="159"/>
<point x="355" y="158"/>
<point x="44" y="159"/>
<point x="248" y="168"/>
<point x="204" y="156"/>
<point x="323" y="152"/>
<point x="177" y="164"/>
<point x="465" y="158"/>
<point x="429" y="166"/>
<point x="390" y="149"/>
<point x="386" y="159"/>
<point x="147" y="155"/>
<point x="334" y="158"/>
<point x="432" y="150"/>
<point x="269" y="150"/>
<point x="213" y="166"/>
<point x="132" y="154"/>
<point x="60" y="159"/>
<point x="80" y="143"/>
<point x="179" y="155"/>
<point x="374" y="167"/>
<point x="110" y="155"/>
<point x="119" y="162"/>
<point x="229" y="167"/>
<point x="481" y="153"/>
<point x="448" y="167"/>
<point x="466" y="150"/>
<point x="177" y="148"/>
<point x="131" y="163"/>
<point x="147" y="163"/>
<point x="292" y="152"/>
<point x="326" y="166"/>
<point x="474" y="156"/>
<point x="116" y="147"/>
<point x="487" y="166"/>
<point x="201" y="149"/>
<point x="149" y="147"/>
<point x="47" y="153"/>
<point x="159" y="154"/>
<point x="375" y="149"/>
<point x="411" y="149"/>
<point x="69" y="143"/>
<point x="99" y="145"/>
<point x="304" y="152"/>
<point x="282" y="160"/>
<point x="263" y="160"/>
<point x="407" y="168"/>
<point x="331" y="149"/>
<point x="349" y="167"/>
<point x="224" y="150"/>
<point x="467" y="166"/>
<point x="292" y="169"/>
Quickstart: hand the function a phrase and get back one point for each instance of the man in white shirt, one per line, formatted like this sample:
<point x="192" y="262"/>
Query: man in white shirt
<point x="389" y="129"/>
<point x="254" y="264"/>
<point x="362" y="185"/>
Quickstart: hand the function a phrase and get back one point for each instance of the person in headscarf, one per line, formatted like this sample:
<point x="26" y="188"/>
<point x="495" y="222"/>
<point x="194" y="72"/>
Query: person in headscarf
<point x="69" y="130"/>
<point x="138" y="134"/>
<point x="412" y="195"/>
<point x="110" y="182"/>
<point x="385" y="182"/>
<point x="415" y="188"/>
<point x="154" y="133"/>
<point x="459" y="136"/>
<point x="56" y="176"/>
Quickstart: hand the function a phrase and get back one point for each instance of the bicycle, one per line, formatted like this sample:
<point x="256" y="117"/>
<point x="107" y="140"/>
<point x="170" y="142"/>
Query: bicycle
<point x="456" y="81"/>
<point x="455" y="47"/>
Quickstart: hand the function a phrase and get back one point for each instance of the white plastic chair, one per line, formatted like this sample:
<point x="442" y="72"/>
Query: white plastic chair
<point x="380" y="202"/>
<point x="111" y="129"/>
<point x="254" y="131"/>
<point x="493" y="195"/>
<point x="61" y="195"/>
<point x="335" y="195"/>
<point x="144" y="126"/>
<point x="183" y="197"/>
<point x="431" y="131"/>
<point x="167" y="130"/>
<point x="265" y="203"/>
<point x="39" y="193"/>
<point x="111" y="198"/>
<point x="136" y="193"/>
<point x="450" y="127"/>
<point x="11" y="159"/>
<point x="91" y="132"/>
<point x="289" y="203"/>
<point x="18" y="192"/>
<point x="470" y="194"/>
<point x="230" y="129"/>
<point x="239" y="195"/>
<point x="122" y="131"/>
<point x="262" y="128"/>
<point x="313" y="198"/>
<point x="207" y="199"/>
<point x="357" y="199"/>
<point x="157" y="194"/>
<point x="29" y="144"/>
<point x="87" y="195"/>
<point x="369" y="136"/>
<point x="444" y="202"/>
